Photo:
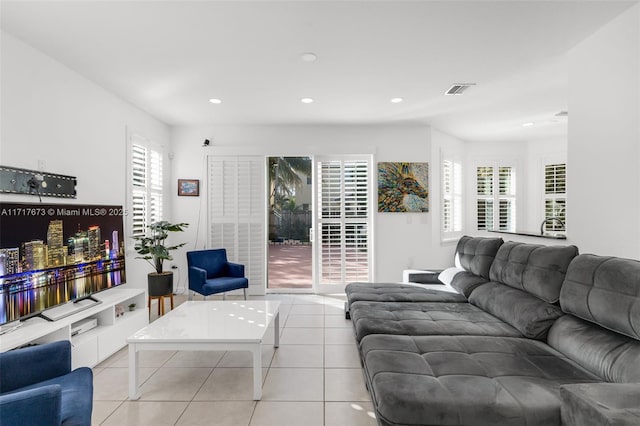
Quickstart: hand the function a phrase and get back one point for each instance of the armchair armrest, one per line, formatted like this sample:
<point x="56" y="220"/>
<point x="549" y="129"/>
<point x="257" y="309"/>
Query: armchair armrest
<point x="26" y="366"/>
<point x="591" y="404"/>
<point x="235" y="270"/>
<point x="197" y="277"/>
<point x="33" y="407"/>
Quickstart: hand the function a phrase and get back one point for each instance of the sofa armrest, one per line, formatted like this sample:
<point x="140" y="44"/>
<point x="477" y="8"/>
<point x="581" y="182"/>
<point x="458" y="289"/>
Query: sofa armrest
<point x="423" y="276"/>
<point x="236" y="270"/>
<point x="33" y="407"/>
<point x="26" y="366"/>
<point x="197" y="277"/>
<point x="591" y="404"/>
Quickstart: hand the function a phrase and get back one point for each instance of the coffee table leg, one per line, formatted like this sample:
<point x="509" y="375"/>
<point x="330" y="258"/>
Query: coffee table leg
<point x="276" y="330"/>
<point x="134" y="391"/>
<point x="257" y="371"/>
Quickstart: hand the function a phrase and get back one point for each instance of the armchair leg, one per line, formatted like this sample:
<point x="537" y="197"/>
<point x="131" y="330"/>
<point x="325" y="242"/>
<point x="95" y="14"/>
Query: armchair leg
<point x="190" y="295"/>
<point x="224" y="296"/>
<point x="245" y="293"/>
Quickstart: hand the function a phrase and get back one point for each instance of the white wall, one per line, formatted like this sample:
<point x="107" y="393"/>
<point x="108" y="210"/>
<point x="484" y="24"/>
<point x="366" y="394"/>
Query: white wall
<point x="402" y="240"/>
<point x="52" y="115"/>
<point x="604" y="139"/>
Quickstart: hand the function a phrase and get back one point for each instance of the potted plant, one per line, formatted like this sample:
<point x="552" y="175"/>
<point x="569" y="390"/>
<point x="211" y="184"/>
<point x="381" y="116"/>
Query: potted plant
<point x="153" y="249"/>
<point x="132" y="307"/>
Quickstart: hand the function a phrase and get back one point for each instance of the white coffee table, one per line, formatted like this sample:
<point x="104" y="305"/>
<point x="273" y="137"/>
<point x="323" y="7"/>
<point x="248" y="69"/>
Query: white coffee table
<point x="208" y="326"/>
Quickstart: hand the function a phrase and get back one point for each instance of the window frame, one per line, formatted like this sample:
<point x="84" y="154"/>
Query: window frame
<point x="554" y="197"/>
<point x="495" y="197"/>
<point x="452" y="195"/>
<point x="145" y="192"/>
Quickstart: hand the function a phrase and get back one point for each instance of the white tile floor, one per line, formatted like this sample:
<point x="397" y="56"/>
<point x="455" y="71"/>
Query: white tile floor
<point x="313" y="378"/>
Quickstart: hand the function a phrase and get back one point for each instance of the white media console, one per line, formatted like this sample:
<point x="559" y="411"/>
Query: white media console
<point x="96" y="344"/>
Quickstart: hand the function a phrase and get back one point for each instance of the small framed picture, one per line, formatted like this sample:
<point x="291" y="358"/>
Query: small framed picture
<point x="189" y="187"/>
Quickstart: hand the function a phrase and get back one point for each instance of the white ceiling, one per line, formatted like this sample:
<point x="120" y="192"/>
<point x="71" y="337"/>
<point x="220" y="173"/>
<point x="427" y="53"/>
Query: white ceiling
<point x="170" y="57"/>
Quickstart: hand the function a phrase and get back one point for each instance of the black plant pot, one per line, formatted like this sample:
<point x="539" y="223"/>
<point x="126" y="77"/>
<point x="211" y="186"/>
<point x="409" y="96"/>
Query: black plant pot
<point x="160" y="284"/>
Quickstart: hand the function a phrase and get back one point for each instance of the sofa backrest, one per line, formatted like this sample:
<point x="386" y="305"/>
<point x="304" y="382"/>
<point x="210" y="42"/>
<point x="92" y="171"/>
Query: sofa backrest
<point x="525" y="284"/>
<point x="476" y="254"/>
<point x="601" y="332"/>
<point x="605" y="291"/>
<point x="539" y="270"/>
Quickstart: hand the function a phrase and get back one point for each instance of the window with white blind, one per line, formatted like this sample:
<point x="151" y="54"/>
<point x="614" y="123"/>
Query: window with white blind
<point x="451" y="199"/>
<point x="496" y="198"/>
<point x="343" y="227"/>
<point x="146" y="185"/>
<point x="555" y="196"/>
<point x="237" y="206"/>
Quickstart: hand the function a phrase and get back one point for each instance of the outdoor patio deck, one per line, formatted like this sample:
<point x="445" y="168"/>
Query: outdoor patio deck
<point x="289" y="266"/>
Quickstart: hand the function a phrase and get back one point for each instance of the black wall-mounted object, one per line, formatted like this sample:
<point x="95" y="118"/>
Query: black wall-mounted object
<point x="23" y="181"/>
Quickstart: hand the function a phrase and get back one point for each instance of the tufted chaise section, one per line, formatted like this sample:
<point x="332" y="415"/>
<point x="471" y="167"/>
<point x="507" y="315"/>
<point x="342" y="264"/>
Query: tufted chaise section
<point x="474" y="256"/>
<point x="494" y="308"/>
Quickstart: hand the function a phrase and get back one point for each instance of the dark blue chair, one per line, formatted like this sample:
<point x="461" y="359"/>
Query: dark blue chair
<point x="210" y="272"/>
<point x="37" y="387"/>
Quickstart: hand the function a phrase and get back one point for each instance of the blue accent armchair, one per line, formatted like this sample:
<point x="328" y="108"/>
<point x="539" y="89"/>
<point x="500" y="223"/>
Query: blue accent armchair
<point x="37" y="387"/>
<point x="210" y="272"/>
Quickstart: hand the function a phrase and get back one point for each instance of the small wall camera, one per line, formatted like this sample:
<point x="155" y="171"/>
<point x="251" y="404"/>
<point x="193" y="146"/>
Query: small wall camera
<point x="207" y="142"/>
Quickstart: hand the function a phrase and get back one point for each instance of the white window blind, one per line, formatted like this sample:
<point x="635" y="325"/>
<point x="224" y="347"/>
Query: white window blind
<point x="507" y="199"/>
<point x="555" y="196"/>
<point x="451" y="199"/>
<point x="237" y="206"/>
<point x="146" y="185"/>
<point x="343" y="226"/>
<point x="488" y="178"/>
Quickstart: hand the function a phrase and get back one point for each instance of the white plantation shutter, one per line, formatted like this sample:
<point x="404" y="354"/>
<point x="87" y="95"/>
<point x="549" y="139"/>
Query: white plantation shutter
<point x="555" y="195"/>
<point x="146" y="185"/>
<point x="484" y="193"/>
<point x="451" y="220"/>
<point x="343" y="243"/>
<point x="237" y="206"/>
<point x="507" y="198"/>
<point x="496" y="207"/>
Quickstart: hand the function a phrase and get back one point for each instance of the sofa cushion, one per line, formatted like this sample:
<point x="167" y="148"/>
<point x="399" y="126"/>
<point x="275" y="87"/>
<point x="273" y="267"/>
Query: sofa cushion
<point x="612" y="356"/>
<point x="392" y="292"/>
<point x="536" y="269"/>
<point x="604" y="290"/>
<point x="529" y="315"/>
<point x="464" y="380"/>
<point x="425" y="319"/>
<point x="476" y="254"/>
<point x="465" y="282"/>
<point x="597" y="404"/>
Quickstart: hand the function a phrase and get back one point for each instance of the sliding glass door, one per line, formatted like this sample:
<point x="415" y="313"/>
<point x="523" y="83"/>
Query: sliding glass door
<point x="342" y="224"/>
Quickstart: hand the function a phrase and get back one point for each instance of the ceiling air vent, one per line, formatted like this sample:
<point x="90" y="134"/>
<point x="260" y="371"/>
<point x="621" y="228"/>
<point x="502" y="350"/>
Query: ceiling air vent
<point x="458" y="88"/>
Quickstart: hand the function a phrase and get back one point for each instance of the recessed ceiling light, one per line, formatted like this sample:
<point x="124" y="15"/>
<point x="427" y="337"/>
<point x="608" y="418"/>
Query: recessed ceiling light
<point x="309" y="57"/>
<point x="396" y="100"/>
<point x="529" y="124"/>
<point x="215" y="101"/>
<point x="306" y="100"/>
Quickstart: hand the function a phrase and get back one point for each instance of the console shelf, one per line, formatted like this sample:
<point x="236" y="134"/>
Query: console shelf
<point x="93" y="346"/>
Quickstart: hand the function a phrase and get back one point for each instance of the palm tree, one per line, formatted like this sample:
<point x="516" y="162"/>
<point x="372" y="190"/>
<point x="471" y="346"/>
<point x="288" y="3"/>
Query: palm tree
<point x="284" y="177"/>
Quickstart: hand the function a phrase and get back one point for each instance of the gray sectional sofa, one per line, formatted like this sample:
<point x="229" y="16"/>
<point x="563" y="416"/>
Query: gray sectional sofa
<point x="532" y="346"/>
<point x="473" y="255"/>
